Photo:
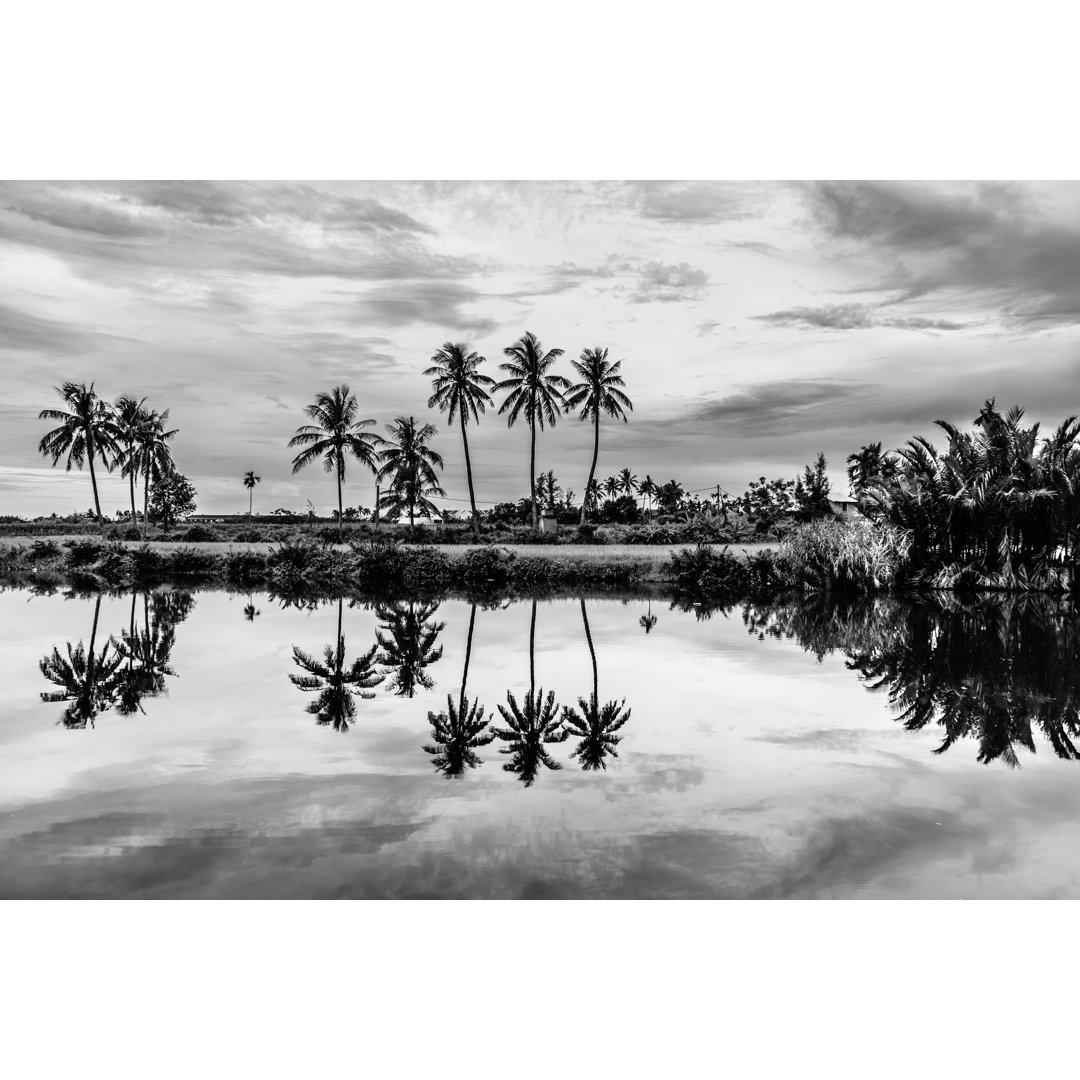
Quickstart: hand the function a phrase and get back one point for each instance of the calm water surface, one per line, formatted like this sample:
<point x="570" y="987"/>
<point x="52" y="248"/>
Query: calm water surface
<point x="217" y="745"/>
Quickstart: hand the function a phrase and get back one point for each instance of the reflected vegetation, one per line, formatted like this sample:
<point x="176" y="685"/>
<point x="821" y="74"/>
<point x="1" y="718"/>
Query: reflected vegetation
<point x="126" y="670"/>
<point x="997" y="671"/>
<point x="406" y="638"/>
<point x="594" y="724"/>
<point x="336" y="684"/>
<point x="462" y="729"/>
<point x="532" y="725"/>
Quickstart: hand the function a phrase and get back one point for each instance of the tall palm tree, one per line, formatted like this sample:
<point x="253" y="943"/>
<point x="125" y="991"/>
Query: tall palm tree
<point x="87" y="429"/>
<point x="594" y="723"/>
<point x="409" y="464"/>
<point x="338" y="685"/>
<point x="462" y="729"/>
<point x="533" y="392"/>
<point x="459" y="388"/>
<point x="152" y="455"/>
<point x="408" y="645"/>
<point x="129" y="416"/>
<point x="88" y="679"/>
<point x="250" y="480"/>
<point x="335" y="433"/>
<point x="597" y="392"/>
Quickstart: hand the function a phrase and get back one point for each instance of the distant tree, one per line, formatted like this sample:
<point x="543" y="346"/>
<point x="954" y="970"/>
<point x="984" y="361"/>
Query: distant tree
<point x="599" y="391"/>
<point x="335" y="434"/>
<point x="812" y="491"/>
<point x="532" y="392"/>
<point x="172" y="498"/>
<point x="460" y="388"/>
<point x="129" y="416"/>
<point x="250" y="480"/>
<point x="153" y="458"/>
<point x="647" y="489"/>
<point x="869" y="467"/>
<point x="611" y="487"/>
<point x="669" y="497"/>
<point x="409" y="464"/>
<point x="87" y="429"/>
<point x="548" y="489"/>
<point x="628" y="483"/>
<point x="765" y="501"/>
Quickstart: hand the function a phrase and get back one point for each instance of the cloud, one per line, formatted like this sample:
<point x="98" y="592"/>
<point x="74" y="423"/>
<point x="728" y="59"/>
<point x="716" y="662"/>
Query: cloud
<point x="788" y="405"/>
<point x="991" y="243"/>
<point x="695" y="203"/>
<point x="435" y="303"/>
<point x="852" y="317"/>
<point x="668" y="283"/>
<point x="23" y="332"/>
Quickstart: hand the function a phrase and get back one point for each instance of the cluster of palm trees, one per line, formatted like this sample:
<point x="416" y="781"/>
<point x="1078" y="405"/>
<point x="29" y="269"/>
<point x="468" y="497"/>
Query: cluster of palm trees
<point x="123" y="435"/>
<point x="406" y="463"/>
<point x="996" y="508"/>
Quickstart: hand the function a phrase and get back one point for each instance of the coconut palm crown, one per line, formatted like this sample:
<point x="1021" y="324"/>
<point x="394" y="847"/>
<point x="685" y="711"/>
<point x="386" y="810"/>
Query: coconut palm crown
<point x="460" y="390"/>
<point x="533" y="392"/>
<point x="409" y="464"/>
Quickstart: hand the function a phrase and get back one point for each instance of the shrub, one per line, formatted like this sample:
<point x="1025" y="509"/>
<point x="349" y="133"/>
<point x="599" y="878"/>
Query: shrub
<point x="190" y="562"/>
<point x="703" y="571"/>
<point x="84" y="552"/>
<point x="200" y="534"/>
<point x="838" y="553"/>
<point x="244" y="566"/>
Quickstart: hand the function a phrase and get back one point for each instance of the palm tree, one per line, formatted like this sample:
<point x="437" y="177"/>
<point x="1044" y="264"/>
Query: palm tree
<point x="129" y="416"/>
<point x="88" y="679"/>
<point x="459" y="388"/>
<point x="628" y="483"/>
<point x="337" y="685"/>
<point x="596" y="724"/>
<point x="86" y="430"/>
<point x="151" y="650"/>
<point x="647" y="489"/>
<point x="409" y="463"/>
<point x="869" y="467"/>
<point x="611" y="486"/>
<point x="597" y="392"/>
<point x="335" y="434"/>
<point x="648" y="620"/>
<point x="250" y="480"/>
<point x="409" y="644"/>
<point x="152" y="456"/>
<point x="532" y="391"/>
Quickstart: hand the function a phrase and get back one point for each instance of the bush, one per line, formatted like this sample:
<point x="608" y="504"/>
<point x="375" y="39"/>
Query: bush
<point x="244" y="566"/>
<point x="84" y="552"/>
<point x="190" y="562"/>
<point x="835" y="553"/>
<point x="200" y="534"/>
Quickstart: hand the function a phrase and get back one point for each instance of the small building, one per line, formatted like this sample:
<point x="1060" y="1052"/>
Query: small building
<point x="842" y="504"/>
<point x="549" y="523"/>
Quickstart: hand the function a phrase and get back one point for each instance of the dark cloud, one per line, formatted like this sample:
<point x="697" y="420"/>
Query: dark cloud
<point x="435" y="303"/>
<point x="694" y="203"/>
<point x="21" y="331"/>
<point x="668" y="283"/>
<point x="852" y="317"/>
<point x="789" y="405"/>
<point x="991" y="243"/>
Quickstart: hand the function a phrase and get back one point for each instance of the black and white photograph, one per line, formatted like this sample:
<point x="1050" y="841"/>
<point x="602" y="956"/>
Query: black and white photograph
<point x="459" y="456"/>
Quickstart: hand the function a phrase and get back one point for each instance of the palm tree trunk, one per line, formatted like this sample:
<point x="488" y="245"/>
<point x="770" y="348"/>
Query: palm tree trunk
<point x="532" y="651"/>
<point x="532" y="472"/>
<point x="131" y="481"/>
<point x="592" y="653"/>
<point x="93" y="477"/>
<point x="340" y="603"/>
<point x="90" y="665"/>
<point x="592" y="468"/>
<point x="468" y="473"/>
<point x="468" y="654"/>
<point x="146" y="501"/>
<point x="340" y="535"/>
<point x="251" y="496"/>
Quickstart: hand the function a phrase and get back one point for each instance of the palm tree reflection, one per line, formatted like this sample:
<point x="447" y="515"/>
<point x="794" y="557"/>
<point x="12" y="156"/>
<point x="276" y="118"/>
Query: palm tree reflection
<point x="408" y="646"/>
<point x="462" y="729"/>
<point x="648" y="620"/>
<point x="336" y="684"/>
<point x="532" y="725"/>
<point x="87" y="678"/>
<point x="595" y="724"/>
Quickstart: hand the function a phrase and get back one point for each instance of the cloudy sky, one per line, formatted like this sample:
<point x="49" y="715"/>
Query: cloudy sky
<point x="757" y="322"/>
